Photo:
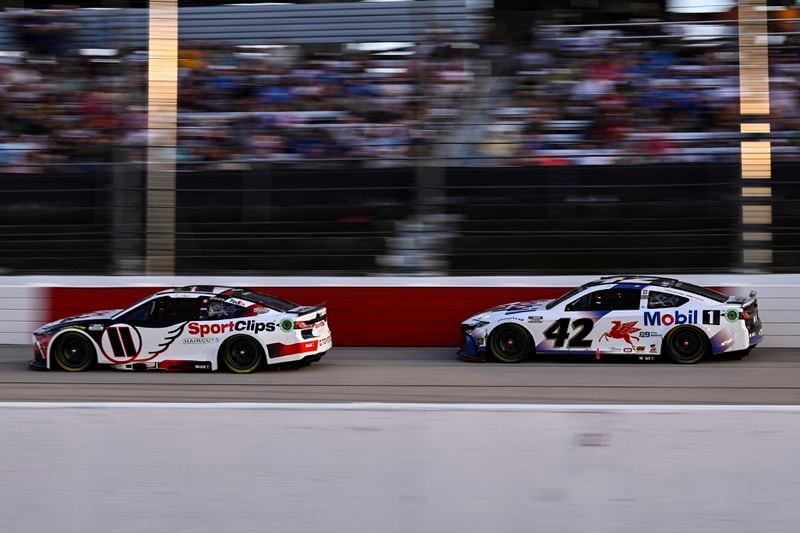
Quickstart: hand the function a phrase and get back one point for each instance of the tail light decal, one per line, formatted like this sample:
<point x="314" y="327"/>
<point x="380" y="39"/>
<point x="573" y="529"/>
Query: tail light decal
<point x="282" y="350"/>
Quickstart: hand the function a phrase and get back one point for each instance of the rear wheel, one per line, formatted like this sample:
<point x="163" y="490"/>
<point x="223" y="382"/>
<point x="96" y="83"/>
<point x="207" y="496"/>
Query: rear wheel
<point x="686" y="345"/>
<point x="73" y="352"/>
<point x="241" y="355"/>
<point x="510" y="343"/>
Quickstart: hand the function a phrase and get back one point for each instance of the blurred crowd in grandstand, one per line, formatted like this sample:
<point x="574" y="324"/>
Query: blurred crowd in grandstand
<point x="632" y="94"/>
<point x="284" y="104"/>
<point x="573" y="95"/>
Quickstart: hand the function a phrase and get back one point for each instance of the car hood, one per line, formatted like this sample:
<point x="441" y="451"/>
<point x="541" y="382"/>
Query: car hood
<point x="519" y="307"/>
<point x="79" y="319"/>
<point x="513" y="308"/>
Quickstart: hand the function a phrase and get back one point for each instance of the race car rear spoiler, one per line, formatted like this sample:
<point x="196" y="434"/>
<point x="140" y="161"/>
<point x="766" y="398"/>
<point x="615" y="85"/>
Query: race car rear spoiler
<point x="311" y="314"/>
<point x="744" y="301"/>
<point x="307" y="309"/>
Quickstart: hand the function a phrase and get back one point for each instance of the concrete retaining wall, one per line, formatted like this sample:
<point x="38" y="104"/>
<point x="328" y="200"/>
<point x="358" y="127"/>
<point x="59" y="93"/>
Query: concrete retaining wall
<point x="366" y="311"/>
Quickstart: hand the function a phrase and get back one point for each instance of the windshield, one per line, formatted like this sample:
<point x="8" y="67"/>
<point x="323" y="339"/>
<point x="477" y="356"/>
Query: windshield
<point x="566" y="296"/>
<point x="573" y="292"/>
<point x="132" y="307"/>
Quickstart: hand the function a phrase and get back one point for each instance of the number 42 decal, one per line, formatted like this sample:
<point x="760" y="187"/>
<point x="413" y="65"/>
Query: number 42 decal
<point x="558" y="332"/>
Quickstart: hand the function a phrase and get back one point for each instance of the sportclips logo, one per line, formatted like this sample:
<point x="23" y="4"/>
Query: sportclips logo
<point x="195" y="328"/>
<point x="657" y="318"/>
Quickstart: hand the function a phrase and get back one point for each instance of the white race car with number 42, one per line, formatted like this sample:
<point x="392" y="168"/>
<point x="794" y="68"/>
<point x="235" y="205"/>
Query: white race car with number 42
<point x="642" y="316"/>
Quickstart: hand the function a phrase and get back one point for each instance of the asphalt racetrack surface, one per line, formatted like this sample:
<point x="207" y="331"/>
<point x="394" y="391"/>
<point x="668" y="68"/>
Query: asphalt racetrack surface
<point x="426" y="375"/>
<point x="204" y="468"/>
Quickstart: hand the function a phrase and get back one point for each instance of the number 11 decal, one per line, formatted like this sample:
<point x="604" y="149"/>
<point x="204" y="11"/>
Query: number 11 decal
<point x="558" y="332"/>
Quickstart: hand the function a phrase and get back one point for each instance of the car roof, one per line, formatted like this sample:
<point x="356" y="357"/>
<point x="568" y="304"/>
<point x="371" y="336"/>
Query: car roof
<point x="637" y="280"/>
<point x="662" y="283"/>
<point x="208" y="290"/>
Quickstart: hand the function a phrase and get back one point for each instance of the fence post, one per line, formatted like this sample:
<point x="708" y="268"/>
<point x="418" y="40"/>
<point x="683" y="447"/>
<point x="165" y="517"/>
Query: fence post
<point x="756" y="186"/>
<point x="162" y="109"/>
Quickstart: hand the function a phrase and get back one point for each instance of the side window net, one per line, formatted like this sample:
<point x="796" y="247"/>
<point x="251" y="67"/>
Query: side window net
<point x="663" y="300"/>
<point x="220" y="309"/>
<point x="607" y="300"/>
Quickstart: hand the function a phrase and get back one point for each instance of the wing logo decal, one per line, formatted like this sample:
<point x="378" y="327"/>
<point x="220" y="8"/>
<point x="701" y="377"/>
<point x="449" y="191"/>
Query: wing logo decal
<point x="169" y="339"/>
<point x="622" y="330"/>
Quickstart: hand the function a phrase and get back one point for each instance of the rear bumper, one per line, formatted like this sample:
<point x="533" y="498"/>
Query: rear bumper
<point x="754" y="332"/>
<point x="303" y="348"/>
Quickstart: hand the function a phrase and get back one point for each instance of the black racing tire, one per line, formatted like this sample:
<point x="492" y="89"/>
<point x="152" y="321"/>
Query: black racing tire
<point x="510" y="343"/>
<point x="686" y="345"/>
<point x="241" y="355"/>
<point x="73" y="352"/>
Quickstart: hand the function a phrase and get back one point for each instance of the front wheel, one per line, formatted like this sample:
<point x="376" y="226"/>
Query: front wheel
<point x="241" y="355"/>
<point x="686" y="345"/>
<point x="73" y="352"/>
<point x="510" y="343"/>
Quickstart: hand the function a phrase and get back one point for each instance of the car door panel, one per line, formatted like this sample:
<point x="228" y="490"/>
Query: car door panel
<point x="144" y="335"/>
<point x="596" y="322"/>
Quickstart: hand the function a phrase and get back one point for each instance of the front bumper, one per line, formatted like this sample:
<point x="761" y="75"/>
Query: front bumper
<point x="38" y="362"/>
<point x="35" y="364"/>
<point x="470" y="351"/>
<point x="472" y="358"/>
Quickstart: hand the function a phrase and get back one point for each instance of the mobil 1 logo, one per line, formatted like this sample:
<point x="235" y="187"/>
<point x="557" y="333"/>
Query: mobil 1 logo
<point x="711" y="317"/>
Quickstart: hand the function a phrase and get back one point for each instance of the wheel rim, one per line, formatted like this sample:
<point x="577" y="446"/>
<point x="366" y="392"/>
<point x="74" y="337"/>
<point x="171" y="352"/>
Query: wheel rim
<point x="242" y="354"/>
<point x="687" y="344"/>
<point x="74" y="351"/>
<point x="510" y="343"/>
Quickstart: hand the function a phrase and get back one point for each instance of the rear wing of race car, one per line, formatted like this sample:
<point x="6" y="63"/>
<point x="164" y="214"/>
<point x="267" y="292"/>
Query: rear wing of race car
<point x="744" y="301"/>
<point x="311" y="314"/>
<point x="308" y="309"/>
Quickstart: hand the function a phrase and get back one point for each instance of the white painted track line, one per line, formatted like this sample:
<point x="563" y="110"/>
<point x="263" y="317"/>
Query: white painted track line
<point x="378" y="406"/>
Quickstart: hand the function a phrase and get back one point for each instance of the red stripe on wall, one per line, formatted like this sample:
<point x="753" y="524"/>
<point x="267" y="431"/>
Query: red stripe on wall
<point x="358" y="316"/>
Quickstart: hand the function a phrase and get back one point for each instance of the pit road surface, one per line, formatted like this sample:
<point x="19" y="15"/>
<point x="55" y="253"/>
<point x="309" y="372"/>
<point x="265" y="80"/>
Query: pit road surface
<point x="766" y="376"/>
